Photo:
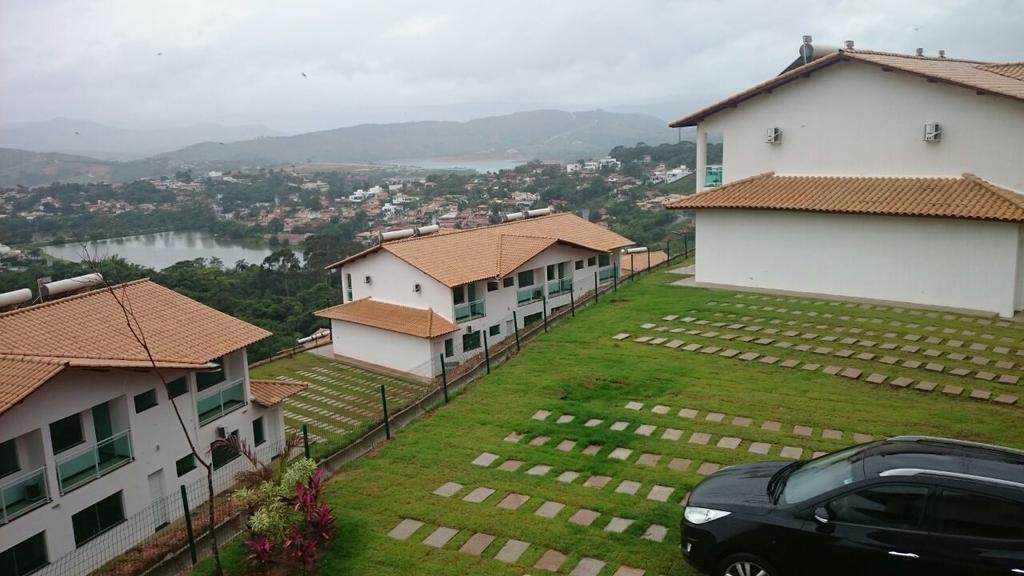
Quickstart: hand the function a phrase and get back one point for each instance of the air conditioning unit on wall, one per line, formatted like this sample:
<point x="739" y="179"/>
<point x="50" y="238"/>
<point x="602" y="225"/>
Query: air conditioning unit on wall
<point x="932" y="132"/>
<point x="774" y="135"/>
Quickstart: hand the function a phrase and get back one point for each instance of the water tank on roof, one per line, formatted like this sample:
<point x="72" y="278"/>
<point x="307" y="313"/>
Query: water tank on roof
<point x="50" y="290"/>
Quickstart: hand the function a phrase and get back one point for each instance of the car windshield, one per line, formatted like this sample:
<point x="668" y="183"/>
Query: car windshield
<point x="826" y="473"/>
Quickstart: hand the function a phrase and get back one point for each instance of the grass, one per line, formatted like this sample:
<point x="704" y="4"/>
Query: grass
<point x="578" y="369"/>
<point x="350" y="395"/>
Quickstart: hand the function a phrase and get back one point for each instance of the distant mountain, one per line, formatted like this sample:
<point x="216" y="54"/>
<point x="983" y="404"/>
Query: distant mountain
<point x="26" y="168"/>
<point x="81" y="137"/>
<point x="544" y="134"/>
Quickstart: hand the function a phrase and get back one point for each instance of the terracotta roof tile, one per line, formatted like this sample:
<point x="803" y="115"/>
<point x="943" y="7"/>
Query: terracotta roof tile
<point x="420" y="322"/>
<point x="465" y="256"/>
<point x="20" y="377"/>
<point x="269" y="393"/>
<point x="1003" y="79"/>
<point x="90" y="329"/>
<point x="965" y="197"/>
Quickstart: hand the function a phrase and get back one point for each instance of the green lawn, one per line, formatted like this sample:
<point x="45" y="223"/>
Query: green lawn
<point x="341" y="402"/>
<point x="578" y="369"/>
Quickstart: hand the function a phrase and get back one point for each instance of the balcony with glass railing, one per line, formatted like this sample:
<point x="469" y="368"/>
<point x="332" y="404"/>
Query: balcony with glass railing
<point x="220" y="400"/>
<point x="529" y="295"/>
<point x="84" y="464"/>
<point x="606" y="273"/>
<point x="713" y="176"/>
<point x="469" y="310"/>
<point x="23" y="493"/>
<point x="559" y="286"/>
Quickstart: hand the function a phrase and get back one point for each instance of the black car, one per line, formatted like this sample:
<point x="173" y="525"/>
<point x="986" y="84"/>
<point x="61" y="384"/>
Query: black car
<point x="907" y="506"/>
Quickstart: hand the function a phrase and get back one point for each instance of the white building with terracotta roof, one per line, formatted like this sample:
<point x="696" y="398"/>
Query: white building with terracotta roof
<point x="408" y="302"/>
<point x="88" y="435"/>
<point x="869" y="174"/>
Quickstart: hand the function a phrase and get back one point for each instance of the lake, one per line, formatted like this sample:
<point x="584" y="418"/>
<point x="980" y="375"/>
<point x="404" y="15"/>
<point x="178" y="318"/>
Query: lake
<point x="163" y="249"/>
<point x="479" y="164"/>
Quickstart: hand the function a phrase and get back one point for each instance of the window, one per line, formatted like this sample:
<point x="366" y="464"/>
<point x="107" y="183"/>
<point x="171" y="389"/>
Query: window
<point x="97" y="519"/>
<point x="222" y="452"/>
<point x="348" y="287"/>
<point x="25" y="557"/>
<point x="579" y="264"/>
<point x="492" y="285"/>
<point x="551" y="272"/>
<point x="966" y="514"/>
<point x="449" y="348"/>
<point x="591" y="261"/>
<point x="145" y="401"/>
<point x="210" y="378"/>
<point x="177" y="387"/>
<point x="508" y="282"/>
<point x="66" y="433"/>
<point x="533" y="318"/>
<point x="8" y="458"/>
<point x="258" y="434"/>
<point x="470" y="341"/>
<point x="459" y="294"/>
<point x="526" y="278"/>
<point x="604" y="259"/>
<point x="494" y="330"/>
<point x="887" y="506"/>
<point x="185" y="465"/>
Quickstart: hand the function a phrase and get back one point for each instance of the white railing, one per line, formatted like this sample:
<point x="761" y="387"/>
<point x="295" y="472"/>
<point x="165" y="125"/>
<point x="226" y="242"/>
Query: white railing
<point x="23" y="493"/>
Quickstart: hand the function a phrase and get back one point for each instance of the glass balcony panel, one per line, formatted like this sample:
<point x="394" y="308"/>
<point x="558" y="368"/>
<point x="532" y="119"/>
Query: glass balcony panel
<point x="559" y="286"/>
<point x="94" y="461"/>
<point x="469" y="310"/>
<point x="219" y="401"/>
<point x="529" y="294"/>
<point x="23" y="493"/>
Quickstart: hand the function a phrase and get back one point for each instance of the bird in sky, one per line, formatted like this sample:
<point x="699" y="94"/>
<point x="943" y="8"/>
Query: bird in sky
<point x="304" y="75"/>
<point x="76" y="133"/>
<point x="159" y="53"/>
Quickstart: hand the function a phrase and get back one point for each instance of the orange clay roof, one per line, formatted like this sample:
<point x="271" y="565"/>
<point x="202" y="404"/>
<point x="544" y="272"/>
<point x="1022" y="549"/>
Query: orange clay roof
<point x="420" y="322"/>
<point x="90" y="330"/>
<point x="465" y="256"/>
<point x="1003" y="79"/>
<point x="20" y="377"/>
<point x="269" y="393"/>
<point x="965" y="197"/>
<point x="640" y="260"/>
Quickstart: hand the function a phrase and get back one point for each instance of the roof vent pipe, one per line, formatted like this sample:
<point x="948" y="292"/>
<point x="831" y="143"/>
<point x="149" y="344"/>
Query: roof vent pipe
<point x="51" y="289"/>
<point x="920" y="51"/>
<point x="807" y="50"/>
<point x="942" y="53"/>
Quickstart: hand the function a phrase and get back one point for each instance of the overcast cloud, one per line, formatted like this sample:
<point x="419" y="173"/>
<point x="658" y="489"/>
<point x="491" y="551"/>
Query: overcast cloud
<point x="242" y="61"/>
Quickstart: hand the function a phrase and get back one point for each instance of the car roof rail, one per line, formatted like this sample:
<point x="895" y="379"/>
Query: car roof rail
<point x="947" y="474"/>
<point x="912" y="438"/>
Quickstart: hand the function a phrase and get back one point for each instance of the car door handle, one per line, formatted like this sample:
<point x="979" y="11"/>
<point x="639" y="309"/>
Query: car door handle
<point x="908" y="555"/>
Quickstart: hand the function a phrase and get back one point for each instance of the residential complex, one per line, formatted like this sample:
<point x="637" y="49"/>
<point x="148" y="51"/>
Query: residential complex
<point x="868" y="174"/>
<point x="450" y="293"/>
<point x="88" y="433"/>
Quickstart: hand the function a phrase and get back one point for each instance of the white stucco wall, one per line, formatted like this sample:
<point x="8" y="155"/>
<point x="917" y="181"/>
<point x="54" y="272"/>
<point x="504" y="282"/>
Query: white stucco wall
<point x="392" y="280"/>
<point x="157" y="443"/>
<point x="854" y="119"/>
<point x="392" y="350"/>
<point x="933" y="261"/>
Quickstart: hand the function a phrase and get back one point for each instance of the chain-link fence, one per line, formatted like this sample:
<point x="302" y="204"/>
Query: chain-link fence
<point x="145" y="538"/>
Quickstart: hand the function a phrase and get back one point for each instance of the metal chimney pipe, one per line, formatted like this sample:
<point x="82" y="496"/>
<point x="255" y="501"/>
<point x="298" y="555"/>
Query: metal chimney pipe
<point x="807" y="39"/>
<point x="849" y="44"/>
<point x="942" y="53"/>
<point x="920" y="51"/>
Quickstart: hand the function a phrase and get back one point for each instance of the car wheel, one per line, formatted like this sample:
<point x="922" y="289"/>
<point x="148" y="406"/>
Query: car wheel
<point x="745" y="565"/>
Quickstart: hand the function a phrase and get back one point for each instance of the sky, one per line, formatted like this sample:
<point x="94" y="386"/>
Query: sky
<point x="306" y="65"/>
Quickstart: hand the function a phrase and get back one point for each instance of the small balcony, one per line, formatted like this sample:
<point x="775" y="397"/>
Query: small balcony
<point x="559" y="286"/>
<point x="87" y="463"/>
<point x="607" y="273"/>
<point x="23" y="493"/>
<point x="220" y="400"/>
<point x="469" y="310"/>
<point x="529" y="295"/>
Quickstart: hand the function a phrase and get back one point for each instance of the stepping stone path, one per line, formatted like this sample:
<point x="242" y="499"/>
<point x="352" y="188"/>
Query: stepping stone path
<point x="587" y="567"/>
<point x="512" y="551"/>
<point x="513" y="501"/>
<point x="405" y="529"/>
<point x="628" y="487"/>
<point x="655" y="533"/>
<point x="485" y="459"/>
<point x="618" y="525"/>
<point x="438" y="538"/>
<point x="584" y="517"/>
<point x="510" y="465"/>
<point x="551" y="561"/>
<point x="549" y="509"/>
<point x="448" y="489"/>
<point x="478" y="495"/>
<point x="476" y="544"/>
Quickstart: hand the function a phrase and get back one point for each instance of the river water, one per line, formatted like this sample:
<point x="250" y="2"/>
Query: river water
<point x="158" y="251"/>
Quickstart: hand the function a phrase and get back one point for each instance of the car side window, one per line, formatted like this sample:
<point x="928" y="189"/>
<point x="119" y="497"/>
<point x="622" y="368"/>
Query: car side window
<point x="898" y="506"/>
<point x="976" y="515"/>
